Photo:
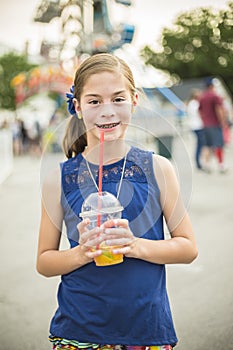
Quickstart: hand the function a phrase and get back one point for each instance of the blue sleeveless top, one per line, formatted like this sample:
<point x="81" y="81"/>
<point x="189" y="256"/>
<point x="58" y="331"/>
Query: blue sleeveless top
<point x="125" y="303"/>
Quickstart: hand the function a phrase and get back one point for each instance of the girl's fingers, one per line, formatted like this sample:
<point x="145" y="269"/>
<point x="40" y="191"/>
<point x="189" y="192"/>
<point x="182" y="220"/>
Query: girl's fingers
<point x="118" y="232"/>
<point x="116" y="223"/>
<point x="118" y="241"/>
<point x="82" y="225"/>
<point x="112" y="232"/>
<point x="90" y="238"/>
<point x="92" y="254"/>
<point x="121" y="250"/>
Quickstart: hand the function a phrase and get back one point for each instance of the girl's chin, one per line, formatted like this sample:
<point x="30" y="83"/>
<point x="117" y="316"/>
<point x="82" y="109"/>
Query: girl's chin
<point x="112" y="134"/>
<point x="109" y="133"/>
<point x="110" y="137"/>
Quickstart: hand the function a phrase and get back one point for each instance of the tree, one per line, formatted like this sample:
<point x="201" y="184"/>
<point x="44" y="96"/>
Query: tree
<point x="199" y="44"/>
<point x="11" y="64"/>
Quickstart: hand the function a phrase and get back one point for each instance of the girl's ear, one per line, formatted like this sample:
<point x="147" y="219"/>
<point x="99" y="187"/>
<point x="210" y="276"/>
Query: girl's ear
<point x="76" y="105"/>
<point x="135" y="100"/>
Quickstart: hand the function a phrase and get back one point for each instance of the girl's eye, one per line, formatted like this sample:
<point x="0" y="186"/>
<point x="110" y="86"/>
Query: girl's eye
<point x="93" y="102"/>
<point x="119" y="99"/>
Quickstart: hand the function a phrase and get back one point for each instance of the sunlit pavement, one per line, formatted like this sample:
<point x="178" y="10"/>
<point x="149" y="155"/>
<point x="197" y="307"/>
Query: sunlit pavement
<point x="200" y="293"/>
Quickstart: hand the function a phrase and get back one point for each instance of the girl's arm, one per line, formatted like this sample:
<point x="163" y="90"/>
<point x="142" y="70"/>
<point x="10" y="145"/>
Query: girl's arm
<point x="181" y="247"/>
<point x="50" y="260"/>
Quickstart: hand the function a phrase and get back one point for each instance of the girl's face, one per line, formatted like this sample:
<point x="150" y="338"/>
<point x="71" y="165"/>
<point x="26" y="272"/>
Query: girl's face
<point x="106" y="104"/>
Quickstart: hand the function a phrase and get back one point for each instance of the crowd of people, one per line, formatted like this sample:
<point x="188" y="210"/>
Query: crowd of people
<point x="210" y="120"/>
<point x="32" y="138"/>
<point x="25" y="139"/>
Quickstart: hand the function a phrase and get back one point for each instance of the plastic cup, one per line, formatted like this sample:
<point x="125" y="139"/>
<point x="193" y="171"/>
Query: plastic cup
<point x="100" y="207"/>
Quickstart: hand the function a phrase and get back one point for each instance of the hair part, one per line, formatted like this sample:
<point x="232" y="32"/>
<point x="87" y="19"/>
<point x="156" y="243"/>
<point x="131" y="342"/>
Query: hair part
<point x="75" y="139"/>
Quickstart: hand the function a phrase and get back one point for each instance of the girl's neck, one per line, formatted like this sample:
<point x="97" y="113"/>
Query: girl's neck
<point x="113" y="152"/>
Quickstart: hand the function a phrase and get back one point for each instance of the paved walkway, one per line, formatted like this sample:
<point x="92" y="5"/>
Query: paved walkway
<point x="201" y="293"/>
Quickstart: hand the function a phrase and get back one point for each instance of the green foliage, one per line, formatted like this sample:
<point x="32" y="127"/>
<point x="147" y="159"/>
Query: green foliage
<point x="199" y="44"/>
<point x="11" y="64"/>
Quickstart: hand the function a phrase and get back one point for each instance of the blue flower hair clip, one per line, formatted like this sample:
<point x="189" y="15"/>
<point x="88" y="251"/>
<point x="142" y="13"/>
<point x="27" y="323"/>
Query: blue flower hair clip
<point x="70" y="102"/>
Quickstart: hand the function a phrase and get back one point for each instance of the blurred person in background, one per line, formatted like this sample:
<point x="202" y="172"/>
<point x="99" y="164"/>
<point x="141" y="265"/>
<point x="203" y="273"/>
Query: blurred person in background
<point x="214" y="118"/>
<point x="24" y="135"/>
<point x="229" y="115"/>
<point x="197" y="126"/>
<point x="15" y="128"/>
<point x="35" y="138"/>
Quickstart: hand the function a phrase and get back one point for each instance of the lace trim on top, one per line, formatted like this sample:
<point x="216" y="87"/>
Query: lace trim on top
<point x="137" y="169"/>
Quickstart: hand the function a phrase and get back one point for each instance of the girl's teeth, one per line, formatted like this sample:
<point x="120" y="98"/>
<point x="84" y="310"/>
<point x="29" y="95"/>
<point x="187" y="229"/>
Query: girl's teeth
<point x="107" y="126"/>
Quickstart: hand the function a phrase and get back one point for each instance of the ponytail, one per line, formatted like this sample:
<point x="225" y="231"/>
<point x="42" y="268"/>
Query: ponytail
<point x="75" y="139"/>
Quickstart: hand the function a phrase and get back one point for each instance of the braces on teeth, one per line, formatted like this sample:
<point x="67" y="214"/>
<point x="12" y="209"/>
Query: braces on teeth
<point x="107" y="126"/>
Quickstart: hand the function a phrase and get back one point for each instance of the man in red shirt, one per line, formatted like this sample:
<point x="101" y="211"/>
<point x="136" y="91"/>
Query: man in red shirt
<point x="214" y="119"/>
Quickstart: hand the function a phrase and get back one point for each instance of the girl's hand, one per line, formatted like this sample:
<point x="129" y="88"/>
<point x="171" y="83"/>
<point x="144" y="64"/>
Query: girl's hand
<point x="118" y="235"/>
<point x="89" y="239"/>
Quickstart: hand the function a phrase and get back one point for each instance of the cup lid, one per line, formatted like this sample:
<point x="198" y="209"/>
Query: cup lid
<point x="100" y="203"/>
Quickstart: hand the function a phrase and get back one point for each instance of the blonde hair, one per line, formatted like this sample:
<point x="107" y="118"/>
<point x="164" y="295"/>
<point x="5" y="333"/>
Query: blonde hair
<point x="75" y="139"/>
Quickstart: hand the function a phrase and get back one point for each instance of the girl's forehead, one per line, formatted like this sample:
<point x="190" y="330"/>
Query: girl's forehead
<point x="105" y="80"/>
<point x="105" y="76"/>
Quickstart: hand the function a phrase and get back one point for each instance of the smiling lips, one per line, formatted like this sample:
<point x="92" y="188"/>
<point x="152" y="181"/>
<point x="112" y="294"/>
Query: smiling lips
<point x="107" y="126"/>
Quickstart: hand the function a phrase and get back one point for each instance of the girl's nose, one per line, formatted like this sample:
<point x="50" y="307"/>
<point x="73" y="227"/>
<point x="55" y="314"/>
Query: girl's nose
<point x="107" y="110"/>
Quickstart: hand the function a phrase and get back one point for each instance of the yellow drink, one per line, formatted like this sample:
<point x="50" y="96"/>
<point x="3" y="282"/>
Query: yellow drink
<point x="107" y="257"/>
<point x="99" y="208"/>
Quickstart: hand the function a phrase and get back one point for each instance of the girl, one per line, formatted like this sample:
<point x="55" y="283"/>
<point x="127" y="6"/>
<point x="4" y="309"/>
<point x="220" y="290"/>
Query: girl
<point x="125" y="304"/>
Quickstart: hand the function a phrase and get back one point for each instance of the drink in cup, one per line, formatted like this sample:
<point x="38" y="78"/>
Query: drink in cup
<point x="100" y="207"/>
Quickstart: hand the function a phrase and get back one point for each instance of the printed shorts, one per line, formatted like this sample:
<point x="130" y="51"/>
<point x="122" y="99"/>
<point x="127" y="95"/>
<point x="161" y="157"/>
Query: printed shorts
<point x="116" y="347"/>
<point x="61" y="343"/>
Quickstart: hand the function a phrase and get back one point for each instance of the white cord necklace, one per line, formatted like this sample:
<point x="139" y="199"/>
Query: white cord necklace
<point x="121" y="179"/>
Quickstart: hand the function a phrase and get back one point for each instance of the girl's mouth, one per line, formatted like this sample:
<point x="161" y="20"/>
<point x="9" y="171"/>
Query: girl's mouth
<point x="107" y="126"/>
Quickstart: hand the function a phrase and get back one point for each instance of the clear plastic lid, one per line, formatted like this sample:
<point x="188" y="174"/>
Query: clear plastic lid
<point x="100" y="203"/>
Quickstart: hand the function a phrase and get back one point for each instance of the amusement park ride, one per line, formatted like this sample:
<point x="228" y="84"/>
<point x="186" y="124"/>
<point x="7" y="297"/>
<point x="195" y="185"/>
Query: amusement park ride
<point x="86" y="26"/>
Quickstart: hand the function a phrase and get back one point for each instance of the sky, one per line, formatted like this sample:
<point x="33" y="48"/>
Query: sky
<point x="149" y="17"/>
